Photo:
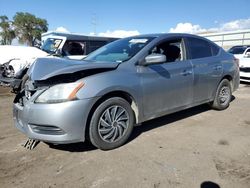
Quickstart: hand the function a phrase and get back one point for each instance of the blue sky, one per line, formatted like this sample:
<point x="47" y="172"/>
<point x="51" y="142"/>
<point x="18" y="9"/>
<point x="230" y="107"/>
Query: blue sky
<point x="148" y="16"/>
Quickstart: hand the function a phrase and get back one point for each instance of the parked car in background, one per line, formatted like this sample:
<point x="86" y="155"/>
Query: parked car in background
<point x="122" y="84"/>
<point x="16" y="60"/>
<point x="243" y="54"/>
<point x="72" y="46"/>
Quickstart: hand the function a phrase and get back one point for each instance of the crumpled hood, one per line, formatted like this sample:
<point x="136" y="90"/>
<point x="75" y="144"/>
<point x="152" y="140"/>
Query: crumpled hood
<point x="45" y="68"/>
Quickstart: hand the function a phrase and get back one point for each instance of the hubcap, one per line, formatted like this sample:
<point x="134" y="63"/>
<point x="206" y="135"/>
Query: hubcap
<point x="224" y="95"/>
<point x="113" y="123"/>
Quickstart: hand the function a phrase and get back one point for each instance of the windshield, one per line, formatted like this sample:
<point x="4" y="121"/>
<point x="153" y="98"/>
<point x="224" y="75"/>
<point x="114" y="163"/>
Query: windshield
<point x="120" y="50"/>
<point x="237" y="50"/>
<point x="51" y="45"/>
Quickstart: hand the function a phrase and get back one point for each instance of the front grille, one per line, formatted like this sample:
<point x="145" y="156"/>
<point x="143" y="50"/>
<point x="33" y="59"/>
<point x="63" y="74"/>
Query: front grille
<point x="245" y="69"/>
<point x="245" y="78"/>
<point x="46" y="129"/>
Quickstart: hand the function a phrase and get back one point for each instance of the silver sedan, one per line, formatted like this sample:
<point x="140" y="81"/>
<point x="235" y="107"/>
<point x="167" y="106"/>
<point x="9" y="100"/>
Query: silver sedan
<point x="122" y="84"/>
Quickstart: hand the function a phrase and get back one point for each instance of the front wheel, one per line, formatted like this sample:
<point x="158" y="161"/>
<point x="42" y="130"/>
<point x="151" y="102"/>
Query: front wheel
<point x="223" y="95"/>
<point x="111" y="124"/>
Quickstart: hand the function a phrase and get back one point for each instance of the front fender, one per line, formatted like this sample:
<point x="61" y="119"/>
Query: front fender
<point x="113" y="81"/>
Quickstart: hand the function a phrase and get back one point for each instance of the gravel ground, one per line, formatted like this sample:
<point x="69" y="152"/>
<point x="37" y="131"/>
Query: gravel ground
<point x="197" y="147"/>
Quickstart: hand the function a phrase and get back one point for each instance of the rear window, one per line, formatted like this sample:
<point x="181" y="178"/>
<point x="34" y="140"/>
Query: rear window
<point x="199" y="48"/>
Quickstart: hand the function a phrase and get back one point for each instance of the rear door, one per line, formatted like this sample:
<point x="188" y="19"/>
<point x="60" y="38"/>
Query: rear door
<point x="207" y="67"/>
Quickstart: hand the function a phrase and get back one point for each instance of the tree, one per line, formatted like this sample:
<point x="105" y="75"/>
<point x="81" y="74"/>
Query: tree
<point x="28" y="28"/>
<point x="7" y="34"/>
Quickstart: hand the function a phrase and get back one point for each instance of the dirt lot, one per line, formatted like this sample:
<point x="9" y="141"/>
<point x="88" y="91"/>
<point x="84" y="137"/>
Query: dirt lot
<point x="184" y="149"/>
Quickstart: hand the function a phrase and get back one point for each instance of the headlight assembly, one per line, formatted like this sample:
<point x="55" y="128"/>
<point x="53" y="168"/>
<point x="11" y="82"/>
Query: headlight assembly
<point x="60" y="93"/>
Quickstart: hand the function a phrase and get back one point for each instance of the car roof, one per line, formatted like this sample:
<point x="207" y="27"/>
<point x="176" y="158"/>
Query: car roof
<point x="70" y="36"/>
<point x="156" y="35"/>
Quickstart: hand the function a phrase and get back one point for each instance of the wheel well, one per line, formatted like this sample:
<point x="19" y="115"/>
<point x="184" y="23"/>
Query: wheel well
<point x="230" y="79"/>
<point x="126" y="96"/>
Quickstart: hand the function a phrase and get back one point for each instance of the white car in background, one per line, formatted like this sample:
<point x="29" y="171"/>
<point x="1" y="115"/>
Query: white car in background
<point x="16" y="60"/>
<point x="243" y="54"/>
<point x="18" y="57"/>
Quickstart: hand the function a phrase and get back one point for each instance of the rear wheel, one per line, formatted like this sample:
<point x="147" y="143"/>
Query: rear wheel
<point x="111" y="124"/>
<point x="223" y="95"/>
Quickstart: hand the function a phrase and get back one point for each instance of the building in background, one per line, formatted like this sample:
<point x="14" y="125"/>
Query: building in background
<point x="229" y="39"/>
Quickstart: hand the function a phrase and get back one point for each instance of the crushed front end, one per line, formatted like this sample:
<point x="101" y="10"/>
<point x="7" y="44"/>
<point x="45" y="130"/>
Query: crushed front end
<point x="62" y="122"/>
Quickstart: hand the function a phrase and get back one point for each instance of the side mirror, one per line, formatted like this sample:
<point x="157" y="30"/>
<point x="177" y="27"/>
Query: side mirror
<point x="155" y="59"/>
<point x="247" y="55"/>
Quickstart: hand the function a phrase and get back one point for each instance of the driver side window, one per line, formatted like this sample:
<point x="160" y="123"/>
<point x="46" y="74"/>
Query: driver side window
<point x="173" y="50"/>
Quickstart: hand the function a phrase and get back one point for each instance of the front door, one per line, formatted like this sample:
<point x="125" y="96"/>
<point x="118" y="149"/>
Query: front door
<point x="167" y="86"/>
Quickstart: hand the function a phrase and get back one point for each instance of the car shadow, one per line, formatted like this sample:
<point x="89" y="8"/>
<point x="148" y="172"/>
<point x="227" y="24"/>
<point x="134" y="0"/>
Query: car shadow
<point x="209" y="184"/>
<point x="166" y="120"/>
<point x="74" y="147"/>
<point x="232" y="98"/>
<point x="138" y="130"/>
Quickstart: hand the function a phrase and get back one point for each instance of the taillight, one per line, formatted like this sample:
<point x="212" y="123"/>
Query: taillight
<point x="237" y="62"/>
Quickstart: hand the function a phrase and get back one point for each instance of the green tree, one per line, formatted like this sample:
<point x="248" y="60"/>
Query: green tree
<point x="28" y="28"/>
<point x="7" y="33"/>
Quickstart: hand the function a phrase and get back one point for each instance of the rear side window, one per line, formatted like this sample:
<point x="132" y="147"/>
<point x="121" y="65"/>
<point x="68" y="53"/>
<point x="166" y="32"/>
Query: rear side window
<point x="199" y="48"/>
<point x="215" y="49"/>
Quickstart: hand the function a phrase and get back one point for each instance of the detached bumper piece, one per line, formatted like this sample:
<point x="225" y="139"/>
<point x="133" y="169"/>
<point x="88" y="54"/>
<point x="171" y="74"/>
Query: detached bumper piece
<point x="31" y="144"/>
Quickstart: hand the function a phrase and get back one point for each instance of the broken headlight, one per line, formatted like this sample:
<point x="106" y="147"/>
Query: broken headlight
<point x="60" y="93"/>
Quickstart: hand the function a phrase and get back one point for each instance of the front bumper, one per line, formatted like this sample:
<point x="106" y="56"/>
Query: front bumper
<point x="245" y="74"/>
<point x="54" y="123"/>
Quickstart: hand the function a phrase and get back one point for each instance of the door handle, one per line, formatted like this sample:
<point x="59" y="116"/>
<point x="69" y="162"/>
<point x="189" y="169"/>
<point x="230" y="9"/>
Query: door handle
<point x="217" y="67"/>
<point x="186" y="72"/>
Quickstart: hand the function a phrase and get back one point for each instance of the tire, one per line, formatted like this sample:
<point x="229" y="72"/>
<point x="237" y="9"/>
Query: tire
<point x="111" y="124"/>
<point x="223" y="96"/>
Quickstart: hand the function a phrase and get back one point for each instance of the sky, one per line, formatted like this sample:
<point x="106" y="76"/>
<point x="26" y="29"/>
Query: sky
<point x="124" y="18"/>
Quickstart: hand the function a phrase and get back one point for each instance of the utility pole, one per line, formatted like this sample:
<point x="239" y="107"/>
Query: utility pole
<point x="94" y="23"/>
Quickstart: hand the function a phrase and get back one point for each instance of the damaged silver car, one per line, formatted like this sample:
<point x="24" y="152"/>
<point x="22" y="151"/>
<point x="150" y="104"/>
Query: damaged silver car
<point x="122" y="84"/>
